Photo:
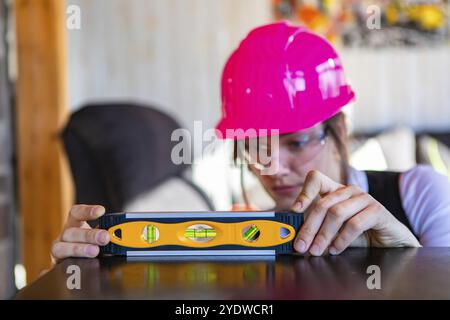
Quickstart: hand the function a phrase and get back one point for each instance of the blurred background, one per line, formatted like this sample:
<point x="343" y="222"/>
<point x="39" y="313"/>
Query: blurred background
<point x="91" y="91"/>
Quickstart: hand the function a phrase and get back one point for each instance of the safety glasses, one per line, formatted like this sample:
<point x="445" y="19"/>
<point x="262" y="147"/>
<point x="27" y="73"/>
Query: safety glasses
<point x="301" y="147"/>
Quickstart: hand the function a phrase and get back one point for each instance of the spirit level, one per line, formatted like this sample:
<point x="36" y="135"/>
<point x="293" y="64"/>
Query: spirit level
<point x="200" y="233"/>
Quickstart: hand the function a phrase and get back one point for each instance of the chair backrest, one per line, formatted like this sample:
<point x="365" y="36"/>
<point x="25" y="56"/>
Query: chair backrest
<point x="119" y="151"/>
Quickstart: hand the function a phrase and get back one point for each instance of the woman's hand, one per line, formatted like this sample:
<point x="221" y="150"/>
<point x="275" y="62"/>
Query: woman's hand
<point x="344" y="216"/>
<point x="78" y="239"/>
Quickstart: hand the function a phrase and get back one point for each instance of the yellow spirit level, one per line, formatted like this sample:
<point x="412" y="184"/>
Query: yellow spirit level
<point x="200" y="233"/>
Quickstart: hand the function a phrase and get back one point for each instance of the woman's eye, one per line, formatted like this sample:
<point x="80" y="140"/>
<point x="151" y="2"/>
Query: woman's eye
<point x="298" y="143"/>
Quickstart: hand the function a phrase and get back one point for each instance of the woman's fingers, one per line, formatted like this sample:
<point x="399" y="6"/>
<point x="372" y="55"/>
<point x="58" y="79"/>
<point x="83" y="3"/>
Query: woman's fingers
<point x="353" y="228"/>
<point x="77" y="238"/>
<point x="334" y="219"/>
<point x="79" y="235"/>
<point x="62" y="250"/>
<point x="81" y="213"/>
<point x="315" y="184"/>
<point x="316" y="216"/>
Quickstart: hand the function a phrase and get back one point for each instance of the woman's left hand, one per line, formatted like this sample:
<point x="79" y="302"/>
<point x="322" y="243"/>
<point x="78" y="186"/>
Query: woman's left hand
<point x="344" y="216"/>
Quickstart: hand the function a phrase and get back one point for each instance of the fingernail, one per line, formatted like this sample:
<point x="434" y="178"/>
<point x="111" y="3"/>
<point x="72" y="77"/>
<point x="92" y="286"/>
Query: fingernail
<point x="332" y="251"/>
<point x="103" y="237"/>
<point x="92" y="251"/>
<point x="97" y="211"/>
<point x="300" y="246"/>
<point x="315" y="250"/>
<point x="297" y="207"/>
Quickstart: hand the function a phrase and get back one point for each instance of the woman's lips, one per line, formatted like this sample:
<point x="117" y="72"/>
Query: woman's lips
<point x="286" y="189"/>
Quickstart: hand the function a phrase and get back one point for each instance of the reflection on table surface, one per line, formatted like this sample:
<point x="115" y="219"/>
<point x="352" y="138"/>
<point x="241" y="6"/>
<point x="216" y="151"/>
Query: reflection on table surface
<point x="405" y="273"/>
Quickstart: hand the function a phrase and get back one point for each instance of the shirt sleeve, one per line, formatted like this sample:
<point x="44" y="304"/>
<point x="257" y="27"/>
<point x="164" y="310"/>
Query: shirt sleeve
<point x="426" y="200"/>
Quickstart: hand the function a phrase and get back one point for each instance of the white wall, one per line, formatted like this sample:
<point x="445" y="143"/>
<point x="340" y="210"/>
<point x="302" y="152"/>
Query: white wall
<point x="166" y="52"/>
<point x="170" y="53"/>
<point x="400" y="87"/>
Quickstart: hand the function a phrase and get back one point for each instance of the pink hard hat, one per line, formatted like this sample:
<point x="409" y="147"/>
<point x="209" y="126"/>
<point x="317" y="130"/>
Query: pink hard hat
<point x="282" y="77"/>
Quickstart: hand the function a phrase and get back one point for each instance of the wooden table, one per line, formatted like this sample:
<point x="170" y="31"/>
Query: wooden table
<point x="422" y="273"/>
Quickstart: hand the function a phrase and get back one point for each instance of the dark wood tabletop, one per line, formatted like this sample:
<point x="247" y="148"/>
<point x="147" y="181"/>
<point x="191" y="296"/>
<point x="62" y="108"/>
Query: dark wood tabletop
<point x="422" y="273"/>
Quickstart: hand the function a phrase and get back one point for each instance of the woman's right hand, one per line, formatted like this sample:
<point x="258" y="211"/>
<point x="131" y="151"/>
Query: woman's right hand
<point x="78" y="239"/>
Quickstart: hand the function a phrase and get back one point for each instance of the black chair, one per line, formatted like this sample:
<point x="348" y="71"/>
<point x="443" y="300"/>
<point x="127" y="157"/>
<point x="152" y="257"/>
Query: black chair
<point x="119" y="151"/>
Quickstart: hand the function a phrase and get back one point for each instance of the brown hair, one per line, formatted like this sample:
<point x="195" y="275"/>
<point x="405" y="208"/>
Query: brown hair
<point x="337" y="129"/>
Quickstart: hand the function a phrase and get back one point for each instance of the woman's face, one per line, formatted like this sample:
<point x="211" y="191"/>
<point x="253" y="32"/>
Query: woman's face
<point x="297" y="154"/>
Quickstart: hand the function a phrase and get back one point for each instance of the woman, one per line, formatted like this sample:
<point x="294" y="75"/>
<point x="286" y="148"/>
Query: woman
<point x="287" y="84"/>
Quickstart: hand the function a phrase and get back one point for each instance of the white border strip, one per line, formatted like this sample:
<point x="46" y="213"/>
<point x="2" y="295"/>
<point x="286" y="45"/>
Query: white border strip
<point x="201" y="253"/>
<point x="196" y="215"/>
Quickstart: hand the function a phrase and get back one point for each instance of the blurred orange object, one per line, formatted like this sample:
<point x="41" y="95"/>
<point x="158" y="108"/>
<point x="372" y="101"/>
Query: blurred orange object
<point x="312" y="17"/>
